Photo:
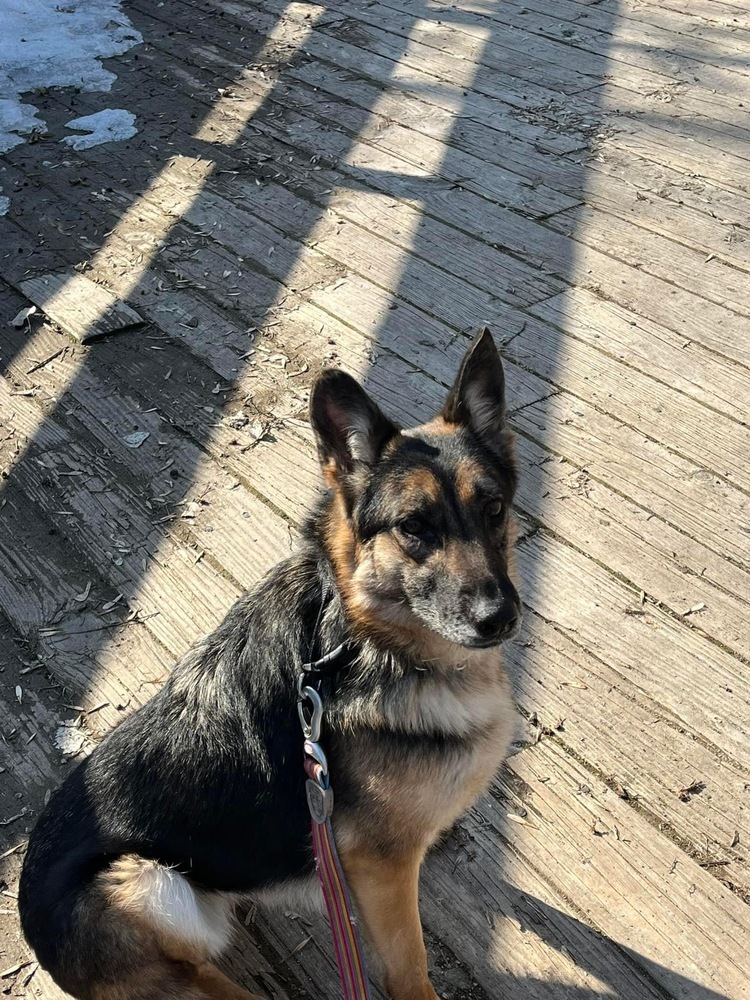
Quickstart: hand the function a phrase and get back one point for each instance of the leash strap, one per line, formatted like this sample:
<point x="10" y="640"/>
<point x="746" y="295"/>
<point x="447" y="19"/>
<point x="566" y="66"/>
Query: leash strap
<point x="346" y="941"/>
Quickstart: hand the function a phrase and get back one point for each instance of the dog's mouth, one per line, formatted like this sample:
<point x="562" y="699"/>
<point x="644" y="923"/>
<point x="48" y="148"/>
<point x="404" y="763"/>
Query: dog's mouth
<point x="463" y="633"/>
<point x="484" y="643"/>
<point x="488" y="642"/>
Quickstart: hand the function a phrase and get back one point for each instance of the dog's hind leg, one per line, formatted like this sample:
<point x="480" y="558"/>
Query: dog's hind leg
<point x="184" y="928"/>
<point x="212" y="983"/>
<point x="166" y="980"/>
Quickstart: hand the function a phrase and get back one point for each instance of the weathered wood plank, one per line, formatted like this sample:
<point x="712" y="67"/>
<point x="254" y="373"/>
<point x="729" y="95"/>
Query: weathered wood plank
<point x="690" y="269"/>
<point x="733" y="150"/>
<point x="221" y="265"/>
<point x="613" y="36"/>
<point x="653" y="556"/>
<point x="515" y="940"/>
<point x="726" y="211"/>
<point x="448" y="376"/>
<point x="650" y="347"/>
<point x="606" y="721"/>
<point x="720" y="13"/>
<point x="696" y="229"/>
<point x="689" y="931"/>
<point x="381" y="35"/>
<point x="114" y="526"/>
<point x="488" y="127"/>
<point x="633" y="85"/>
<point x="712" y="324"/>
<point x="684" y="495"/>
<point x="565" y="362"/>
<point x="673" y="306"/>
<point x="78" y="305"/>
<point x="418" y="148"/>
<point x="664" y="25"/>
<point x="632" y="75"/>
<point x="703" y="151"/>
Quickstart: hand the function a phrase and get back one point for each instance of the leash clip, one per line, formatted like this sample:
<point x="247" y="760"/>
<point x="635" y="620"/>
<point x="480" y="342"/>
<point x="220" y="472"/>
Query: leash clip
<point x="309" y="709"/>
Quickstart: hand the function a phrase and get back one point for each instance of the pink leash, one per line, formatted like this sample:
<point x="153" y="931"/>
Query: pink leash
<point x="346" y="942"/>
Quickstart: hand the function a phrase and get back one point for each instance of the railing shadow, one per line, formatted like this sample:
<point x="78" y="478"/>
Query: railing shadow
<point x="477" y="252"/>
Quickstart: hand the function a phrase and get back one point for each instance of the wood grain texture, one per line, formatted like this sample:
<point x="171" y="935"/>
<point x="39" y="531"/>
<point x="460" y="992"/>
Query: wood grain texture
<point x="359" y="186"/>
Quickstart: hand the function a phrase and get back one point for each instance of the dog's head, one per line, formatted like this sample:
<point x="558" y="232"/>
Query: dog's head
<point x="419" y="529"/>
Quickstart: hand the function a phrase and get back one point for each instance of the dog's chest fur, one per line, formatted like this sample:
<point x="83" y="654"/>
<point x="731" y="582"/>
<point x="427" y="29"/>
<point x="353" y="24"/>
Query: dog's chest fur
<point x="433" y="743"/>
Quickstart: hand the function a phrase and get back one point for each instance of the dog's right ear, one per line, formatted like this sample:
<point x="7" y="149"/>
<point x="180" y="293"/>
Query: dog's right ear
<point x="350" y="428"/>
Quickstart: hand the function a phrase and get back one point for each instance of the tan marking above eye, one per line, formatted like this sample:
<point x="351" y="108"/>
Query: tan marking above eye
<point x="418" y="485"/>
<point x="468" y="473"/>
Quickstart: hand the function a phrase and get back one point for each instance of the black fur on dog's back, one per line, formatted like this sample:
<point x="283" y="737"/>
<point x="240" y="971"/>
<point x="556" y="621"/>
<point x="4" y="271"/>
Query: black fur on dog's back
<point x="229" y="709"/>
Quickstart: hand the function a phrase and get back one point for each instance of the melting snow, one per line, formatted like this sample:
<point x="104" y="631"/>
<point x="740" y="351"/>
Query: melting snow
<point x="55" y="43"/>
<point x="104" y="126"/>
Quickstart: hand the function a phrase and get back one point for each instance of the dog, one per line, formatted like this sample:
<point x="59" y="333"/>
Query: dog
<point x="197" y="800"/>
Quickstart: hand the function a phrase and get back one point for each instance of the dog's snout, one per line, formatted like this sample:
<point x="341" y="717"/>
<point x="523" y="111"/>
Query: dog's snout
<point x="492" y="613"/>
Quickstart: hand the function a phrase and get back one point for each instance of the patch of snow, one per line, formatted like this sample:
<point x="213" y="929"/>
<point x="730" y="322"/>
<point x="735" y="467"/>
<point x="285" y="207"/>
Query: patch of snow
<point x="16" y="119"/>
<point x="111" y="125"/>
<point x="4" y="205"/>
<point x="55" y="43"/>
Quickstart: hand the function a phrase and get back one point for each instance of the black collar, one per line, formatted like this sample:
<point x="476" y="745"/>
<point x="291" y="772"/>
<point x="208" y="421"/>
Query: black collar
<point x="329" y="668"/>
<point x="331" y="665"/>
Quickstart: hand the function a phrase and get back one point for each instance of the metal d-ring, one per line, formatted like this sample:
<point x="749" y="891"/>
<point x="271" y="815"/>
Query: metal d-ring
<point x="315" y="750"/>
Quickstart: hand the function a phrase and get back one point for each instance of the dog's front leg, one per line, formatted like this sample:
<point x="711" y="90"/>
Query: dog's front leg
<point x="385" y="892"/>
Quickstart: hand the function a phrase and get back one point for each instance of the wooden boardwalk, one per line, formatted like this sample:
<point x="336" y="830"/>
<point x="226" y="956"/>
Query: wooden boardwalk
<point x="361" y="184"/>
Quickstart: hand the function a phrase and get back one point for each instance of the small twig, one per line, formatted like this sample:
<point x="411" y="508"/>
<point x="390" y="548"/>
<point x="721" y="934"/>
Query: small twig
<point x="14" y="969"/>
<point x="41" y="364"/>
<point x="12" y="819"/>
<point x="12" y="850"/>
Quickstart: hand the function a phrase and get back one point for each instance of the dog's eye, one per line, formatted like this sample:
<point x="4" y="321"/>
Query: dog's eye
<point x="495" y="509"/>
<point x="415" y="527"/>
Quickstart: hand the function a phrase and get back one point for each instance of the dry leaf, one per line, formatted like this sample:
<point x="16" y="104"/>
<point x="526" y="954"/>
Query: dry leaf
<point x="110" y="604"/>
<point x="22" y="317"/>
<point x="517" y="819"/>
<point x="695" y="608"/>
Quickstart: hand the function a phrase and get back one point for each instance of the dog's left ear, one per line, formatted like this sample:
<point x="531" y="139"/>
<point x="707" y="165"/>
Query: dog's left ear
<point x="477" y="399"/>
<point x="349" y="427"/>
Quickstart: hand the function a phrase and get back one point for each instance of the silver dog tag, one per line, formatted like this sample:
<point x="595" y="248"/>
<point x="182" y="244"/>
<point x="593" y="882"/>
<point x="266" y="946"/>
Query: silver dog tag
<point x="319" y="801"/>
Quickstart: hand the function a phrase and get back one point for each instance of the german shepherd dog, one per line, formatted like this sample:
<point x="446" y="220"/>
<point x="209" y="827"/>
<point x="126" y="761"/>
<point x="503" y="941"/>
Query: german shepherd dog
<point x="197" y="800"/>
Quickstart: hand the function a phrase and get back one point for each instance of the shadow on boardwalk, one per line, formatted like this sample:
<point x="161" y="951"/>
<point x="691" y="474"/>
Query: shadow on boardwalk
<point x="485" y="178"/>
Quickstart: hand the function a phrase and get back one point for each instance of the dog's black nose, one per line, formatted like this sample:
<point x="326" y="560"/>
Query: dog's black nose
<point x="491" y="619"/>
<point x="492" y="610"/>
